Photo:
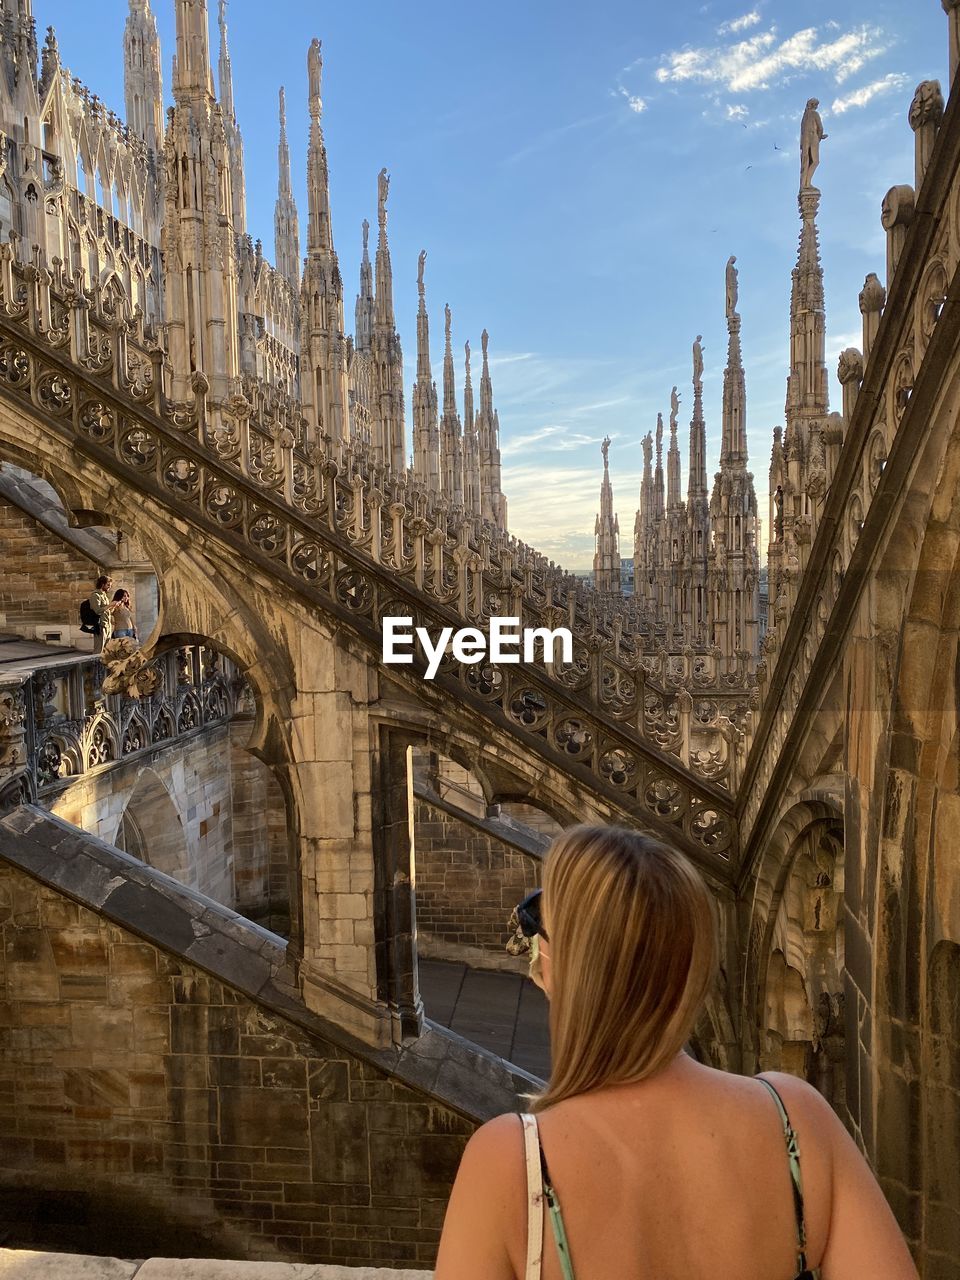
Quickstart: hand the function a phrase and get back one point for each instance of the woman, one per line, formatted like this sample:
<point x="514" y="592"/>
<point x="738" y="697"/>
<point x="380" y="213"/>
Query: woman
<point x="654" y="1165"/>
<point x="123" y="624"/>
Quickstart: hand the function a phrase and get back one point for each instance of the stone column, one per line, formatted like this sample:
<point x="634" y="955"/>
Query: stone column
<point x="873" y="297"/>
<point x="896" y="218"/>
<point x="395" y="923"/>
<point x="926" y="116"/>
<point x="850" y="375"/>
<point x="329" y="740"/>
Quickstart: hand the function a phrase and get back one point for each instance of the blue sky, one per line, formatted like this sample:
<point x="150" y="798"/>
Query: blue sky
<point x="579" y="176"/>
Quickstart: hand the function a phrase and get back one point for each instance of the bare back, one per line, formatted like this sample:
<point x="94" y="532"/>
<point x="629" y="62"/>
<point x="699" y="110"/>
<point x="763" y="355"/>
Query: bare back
<point x="685" y="1176"/>
<point x="680" y="1177"/>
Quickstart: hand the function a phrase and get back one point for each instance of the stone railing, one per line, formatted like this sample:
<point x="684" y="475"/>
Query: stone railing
<point x="890" y="390"/>
<point x="667" y="756"/>
<point x="58" y="723"/>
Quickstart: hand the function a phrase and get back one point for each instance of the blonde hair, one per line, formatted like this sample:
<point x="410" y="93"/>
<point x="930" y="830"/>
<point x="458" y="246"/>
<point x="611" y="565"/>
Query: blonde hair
<point x="633" y="953"/>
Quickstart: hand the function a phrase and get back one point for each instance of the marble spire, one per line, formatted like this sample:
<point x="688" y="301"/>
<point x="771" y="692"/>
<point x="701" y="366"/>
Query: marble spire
<point x="493" y="504"/>
<point x="192" y="73"/>
<point x="231" y="128"/>
<point x="606" y="560"/>
<point x="363" y="314"/>
<point x="451" y="431"/>
<point x="142" y="74"/>
<point x="286" y="226"/>
<point x="426" y="430"/>
<point x="472" y="487"/>
<point x="324" y="381"/>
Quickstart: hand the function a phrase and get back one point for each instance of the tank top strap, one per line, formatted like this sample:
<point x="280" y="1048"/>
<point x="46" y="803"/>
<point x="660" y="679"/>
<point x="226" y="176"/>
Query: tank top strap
<point x="532" y="1158"/>
<point x="796" y="1181"/>
<point x="540" y="1189"/>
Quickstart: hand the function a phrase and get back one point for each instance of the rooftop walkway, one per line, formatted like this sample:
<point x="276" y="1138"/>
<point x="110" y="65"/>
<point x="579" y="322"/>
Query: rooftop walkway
<point x="18" y="1264"/>
<point x="502" y="1012"/>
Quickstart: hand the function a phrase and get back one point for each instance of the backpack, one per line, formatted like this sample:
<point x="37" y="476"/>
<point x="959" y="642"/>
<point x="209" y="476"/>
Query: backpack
<point x="88" y="619"/>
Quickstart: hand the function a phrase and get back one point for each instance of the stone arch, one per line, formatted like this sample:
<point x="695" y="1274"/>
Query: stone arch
<point x="151" y="828"/>
<point x="792" y="987"/>
<point x="473" y="862"/>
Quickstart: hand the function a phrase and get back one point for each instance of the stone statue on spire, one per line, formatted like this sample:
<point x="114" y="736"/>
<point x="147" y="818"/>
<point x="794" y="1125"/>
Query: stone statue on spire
<point x="605" y="450"/>
<point x="383" y="188"/>
<point x="698" y="360"/>
<point x="733" y="287"/>
<point x="365" y="225"/>
<point x="421" y="262"/>
<point x="811" y="135"/>
<point x="674" y="408"/>
<point x="314" y="74"/>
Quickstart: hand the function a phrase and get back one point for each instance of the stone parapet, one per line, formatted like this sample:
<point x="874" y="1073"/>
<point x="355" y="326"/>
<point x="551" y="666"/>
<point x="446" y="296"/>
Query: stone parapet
<point x="28" y="1265"/>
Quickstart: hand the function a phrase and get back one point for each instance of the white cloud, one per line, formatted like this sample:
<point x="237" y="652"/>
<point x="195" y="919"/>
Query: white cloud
<point x="736" y="25"/>
<point x="736" y="111"/>
<point x="634" y="102"/>
<point x="860" y="97"/>
<point x="765" y="59"/>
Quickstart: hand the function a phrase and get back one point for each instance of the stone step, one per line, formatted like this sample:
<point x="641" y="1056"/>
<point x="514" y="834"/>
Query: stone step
<point x="23" y="1264"/>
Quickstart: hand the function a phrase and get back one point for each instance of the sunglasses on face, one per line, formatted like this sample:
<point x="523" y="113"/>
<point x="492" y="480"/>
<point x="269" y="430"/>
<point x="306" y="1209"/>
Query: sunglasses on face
<point x="528" y="916"/>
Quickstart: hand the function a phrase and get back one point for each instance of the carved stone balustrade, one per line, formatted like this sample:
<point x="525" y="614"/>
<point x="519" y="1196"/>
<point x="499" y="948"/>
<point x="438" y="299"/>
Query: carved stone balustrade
<point x="58" y="724"/>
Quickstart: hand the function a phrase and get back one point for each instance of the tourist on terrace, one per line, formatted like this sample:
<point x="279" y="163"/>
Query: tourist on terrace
<point x="123" y="623"/>
<point x="640" y="1163"/>
<point x="102" y="606"/>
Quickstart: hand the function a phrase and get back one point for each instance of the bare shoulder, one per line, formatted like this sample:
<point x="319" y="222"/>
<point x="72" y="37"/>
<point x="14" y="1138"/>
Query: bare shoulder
<point x="496" y="1140"/>
<point x="807" y="1108"/>
<point x="482" y="1231"/>
<point x="863" y="1237"/>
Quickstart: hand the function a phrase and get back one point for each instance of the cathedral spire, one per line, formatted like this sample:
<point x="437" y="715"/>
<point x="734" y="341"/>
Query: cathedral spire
<point x="224" y="66"/>
<point x="286" y="228"/>
<point x="142" y="76"/>
<point x="231" y="128"/>
<point x="658" y="498"/>
<point x="451" y="432"/>
<point x="733" y="449"/>
<point x="449" y="382"/>
<point x="324" y="379"/>
<point x="472" y="487"/>
<point x="492" y="501"/>
<point x="364" y="308"/>
<point x="734" y="564"/>
<point x="697" y="474"/>
<point x="467" y="388"/>
<point x="698" y="509"/>
<point x="606" y="559"/>
<point x="807" y="395"/>
<point x="426" y="432"/>
<point x="388" y="431"/>
<point x="192" y="75"/>
<point x="198" y="237"/>
<point x="319" y="231"/>
<point x="384" y="310"/>
<point x="673" y="461"/>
